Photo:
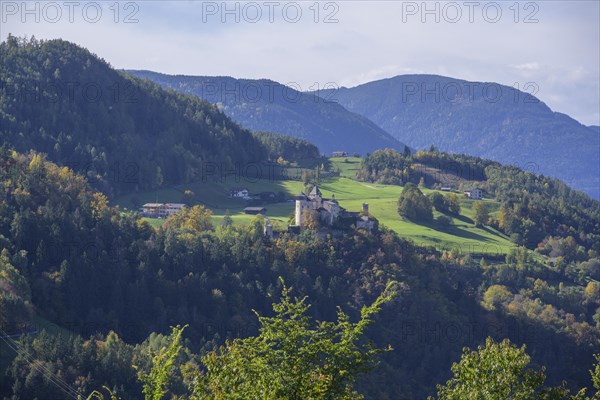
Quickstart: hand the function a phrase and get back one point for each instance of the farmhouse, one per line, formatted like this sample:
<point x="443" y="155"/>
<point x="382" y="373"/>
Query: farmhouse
<point x="255" y="210"/>
<point x="240" y="192"/>
<point x="474" y="193"/>
<point x="339" y="154"/>
<point x="329" y="211"/>
<point x="161" y="210"/>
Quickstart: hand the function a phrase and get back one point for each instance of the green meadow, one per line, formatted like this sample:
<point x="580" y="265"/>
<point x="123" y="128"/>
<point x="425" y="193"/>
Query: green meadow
<point x="382" y="200"/>
<point x="347" y="166"/>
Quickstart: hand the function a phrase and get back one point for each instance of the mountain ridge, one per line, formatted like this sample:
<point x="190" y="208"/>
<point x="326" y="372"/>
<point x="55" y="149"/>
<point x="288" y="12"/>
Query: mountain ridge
<point x="266" y="105"/>
<point x="484" y="119"/>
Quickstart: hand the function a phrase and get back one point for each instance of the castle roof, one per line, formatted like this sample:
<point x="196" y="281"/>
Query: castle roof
<point x="301" y="196"/>
<point x="315" y="192"/>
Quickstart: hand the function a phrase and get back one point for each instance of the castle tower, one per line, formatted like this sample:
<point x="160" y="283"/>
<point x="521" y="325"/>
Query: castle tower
<point x="301" y="204"/>
<point x="315" y="194"/>
<point x="268" y="229"/>
<point x="298" y="212"/>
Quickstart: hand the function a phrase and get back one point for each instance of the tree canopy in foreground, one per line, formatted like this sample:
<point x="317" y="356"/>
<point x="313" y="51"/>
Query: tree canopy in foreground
<point x="293" y="357"/>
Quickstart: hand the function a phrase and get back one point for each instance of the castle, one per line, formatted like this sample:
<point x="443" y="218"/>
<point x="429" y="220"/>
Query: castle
<point x="329" y="210"/>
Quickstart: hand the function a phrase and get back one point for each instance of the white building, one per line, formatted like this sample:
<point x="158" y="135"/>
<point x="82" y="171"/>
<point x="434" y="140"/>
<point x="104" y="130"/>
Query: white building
<point x="474" y="193"/>
<point x="329" y="210"/>
<point x="240" y="192"/>
<point x="161" y="210"/>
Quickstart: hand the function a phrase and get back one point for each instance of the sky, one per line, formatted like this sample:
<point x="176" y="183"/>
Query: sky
<point x="548" y="48"/>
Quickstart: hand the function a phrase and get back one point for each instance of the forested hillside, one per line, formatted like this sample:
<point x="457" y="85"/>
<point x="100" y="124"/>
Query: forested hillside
<point x="92" y="270"/>
<point x="483" y="119"/>
<point x="123" y="133"/>
<point x="286" y="147"/>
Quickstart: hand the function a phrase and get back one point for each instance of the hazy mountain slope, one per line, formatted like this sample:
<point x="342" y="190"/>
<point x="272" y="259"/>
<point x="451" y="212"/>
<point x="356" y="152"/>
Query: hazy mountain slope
<point x="122" y="132"/>
<point x="265" y="105"/>
<point x="483" y="119"/>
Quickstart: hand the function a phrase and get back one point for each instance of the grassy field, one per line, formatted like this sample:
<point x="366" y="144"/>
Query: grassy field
<point x="348" y="166"/>
<point x="382" y="199"/>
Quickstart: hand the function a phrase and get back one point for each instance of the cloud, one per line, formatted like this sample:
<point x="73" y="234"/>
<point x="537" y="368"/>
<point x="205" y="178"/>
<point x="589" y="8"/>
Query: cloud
<point x="528" y="67"/>
<point x="370" y="41"/>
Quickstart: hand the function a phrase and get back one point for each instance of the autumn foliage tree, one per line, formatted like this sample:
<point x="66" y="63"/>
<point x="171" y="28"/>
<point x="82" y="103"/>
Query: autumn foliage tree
<point x="194" y="219"/>
<point x="414" y="205"/>
<point x="482" y="214"/>
<point x="310" y="219"/>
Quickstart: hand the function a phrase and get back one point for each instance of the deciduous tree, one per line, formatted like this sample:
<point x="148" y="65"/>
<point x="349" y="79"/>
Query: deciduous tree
<point x="292" y="357"/>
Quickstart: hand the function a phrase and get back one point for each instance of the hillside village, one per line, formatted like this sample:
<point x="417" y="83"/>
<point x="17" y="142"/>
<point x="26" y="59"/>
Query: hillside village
<point x="353" y="200"/>
<point x="310" y="210"/>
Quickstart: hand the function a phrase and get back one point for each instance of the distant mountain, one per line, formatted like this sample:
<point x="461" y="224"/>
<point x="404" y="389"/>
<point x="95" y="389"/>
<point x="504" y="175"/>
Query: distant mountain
<point x="265" y="105"/>
<point x="483" y="119"/>
<point x="122" y="132"/>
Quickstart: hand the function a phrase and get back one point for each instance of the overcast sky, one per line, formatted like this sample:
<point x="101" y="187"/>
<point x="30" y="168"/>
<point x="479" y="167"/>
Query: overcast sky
<point x="554" y="44"/>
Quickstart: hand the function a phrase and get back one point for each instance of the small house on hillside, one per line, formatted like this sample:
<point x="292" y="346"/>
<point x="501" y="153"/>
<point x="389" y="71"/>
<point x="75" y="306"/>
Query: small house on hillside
<point x="474" y="193"/>
<point x="243" y="193"/>
<point x="339" y="154"/>
<point x="255" y="210"/>
<point x="161" y="210"/>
